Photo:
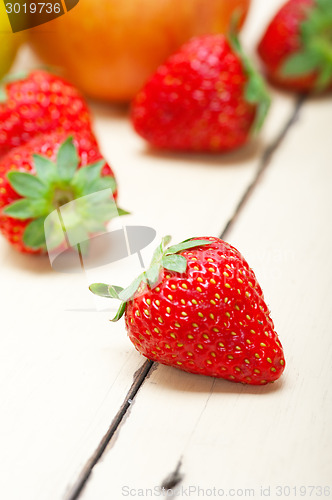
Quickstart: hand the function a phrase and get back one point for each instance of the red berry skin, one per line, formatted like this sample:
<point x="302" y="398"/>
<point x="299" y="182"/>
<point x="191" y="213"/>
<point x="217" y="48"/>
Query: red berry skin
<point x="38" y="104"/>
<point x="282" y="39"/>
<point x="195" y="101"/>
<point x="211" y="320"/>
<point x="20" y="159"/>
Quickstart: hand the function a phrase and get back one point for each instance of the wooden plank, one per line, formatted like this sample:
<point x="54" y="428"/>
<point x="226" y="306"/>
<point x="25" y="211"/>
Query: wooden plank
<point x="64" y="372"/>
<point x="234" y="438"/>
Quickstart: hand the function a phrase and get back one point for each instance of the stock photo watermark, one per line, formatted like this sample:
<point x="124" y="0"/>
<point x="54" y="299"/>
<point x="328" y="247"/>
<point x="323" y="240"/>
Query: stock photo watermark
<point x="195" y="491"/>
<point x="26" y="14"/>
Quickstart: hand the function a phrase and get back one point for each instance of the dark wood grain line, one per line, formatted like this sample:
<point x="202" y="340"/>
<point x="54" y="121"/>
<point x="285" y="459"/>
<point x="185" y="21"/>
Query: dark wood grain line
<point x="139" y="377"/>
<point x="265" y="161"/>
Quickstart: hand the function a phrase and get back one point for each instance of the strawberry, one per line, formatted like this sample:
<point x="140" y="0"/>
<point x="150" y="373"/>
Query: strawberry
<point x="200" y="308"/>
<point x="39" y="103"/>
<point x="39" y="177"/>
<point x="205" y="97"/>
<point x="296" y="48"/>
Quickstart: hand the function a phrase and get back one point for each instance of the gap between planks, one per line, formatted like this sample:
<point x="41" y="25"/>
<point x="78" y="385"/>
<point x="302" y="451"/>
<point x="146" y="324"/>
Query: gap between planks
<point x="139" y="378"/>
<point x="143" y="373"/>
<point x="265" y="160"/>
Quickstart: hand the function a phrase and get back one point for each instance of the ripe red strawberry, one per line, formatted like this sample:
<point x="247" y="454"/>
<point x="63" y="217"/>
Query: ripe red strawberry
<point x="199" y="308"/>
<point x="296" y="48"/>
<point x="39" y="103"/>
<point x="46" y="173"/>
<point x="205" y="97"/>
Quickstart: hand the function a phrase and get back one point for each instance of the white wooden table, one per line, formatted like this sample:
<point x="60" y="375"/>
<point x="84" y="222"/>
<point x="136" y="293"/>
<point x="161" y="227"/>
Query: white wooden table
<point x="84" y="416"/>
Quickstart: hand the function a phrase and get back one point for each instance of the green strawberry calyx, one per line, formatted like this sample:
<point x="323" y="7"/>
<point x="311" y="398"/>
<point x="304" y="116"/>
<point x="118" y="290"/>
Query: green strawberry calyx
<point x="55" y="186"/>
<point x="315" y="55"/>
<point x="163" y="258"/>
<point x="255" y="90"/>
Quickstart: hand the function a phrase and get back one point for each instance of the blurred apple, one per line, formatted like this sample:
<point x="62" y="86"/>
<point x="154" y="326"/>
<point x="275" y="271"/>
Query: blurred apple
<point x="109" y="48"/>
<point x="9" y="42"/>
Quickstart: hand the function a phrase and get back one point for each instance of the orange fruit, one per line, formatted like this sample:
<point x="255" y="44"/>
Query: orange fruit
<point x="109" y="48"/>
